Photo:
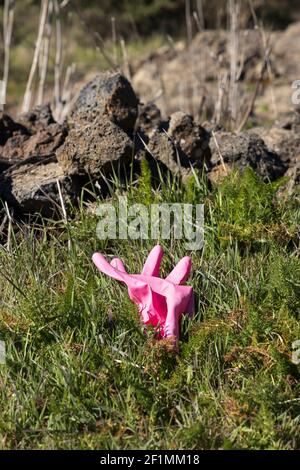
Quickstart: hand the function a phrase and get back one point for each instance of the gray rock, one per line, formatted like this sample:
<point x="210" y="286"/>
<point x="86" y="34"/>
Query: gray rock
<point x="11" y="134"/>
<point x="149" y="118"/>
<point x="95" y="148"/>
<point x="43" y="143"/>
<point x="286" y="51"/>
<point x="110" y="95"/>
<point x="42" y="137"/>
<point x="285" y="142"/>
<point x="31" y="186"/>
<point x="246" y="150"/>
<point x="13" y="150"/>
<point x="191" y="138"/>
<point x="162" y="149"/>
<point x="293" y="174"/>
<point x="184" y="144"/>
<point x="37" y="118"/>
<point x="9" y="128"/>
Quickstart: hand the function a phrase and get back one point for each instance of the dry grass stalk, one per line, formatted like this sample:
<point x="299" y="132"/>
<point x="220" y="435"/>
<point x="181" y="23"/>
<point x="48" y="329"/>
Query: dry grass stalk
<point x="197" y="21"/>
<point x="114" y="39"/>
<point x="192" y="81"/>
<point x="188" y="20"/>
<point x="66" y="94"/>
<point x="254" y="96"/>
<point x="58" y="59"/>
<point x="38" y="46"/>
<point x="265" y="42"/>
<point x="97" y="39"/>
<point x="8" y="20"/>
<point x="221" y="92"/>
<point x="126" y="67"/>
<point x="219" y="152"/>
<point x="44" y="55"/>
<point x="10" y="229"/>
<point x="63" y="209"/>
<point x="200" y="15"/>
<point x="234" y="10"/>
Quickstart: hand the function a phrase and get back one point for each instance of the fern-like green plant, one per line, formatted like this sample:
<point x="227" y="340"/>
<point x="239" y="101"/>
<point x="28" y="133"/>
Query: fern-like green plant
<point x="144" y="189"/>
<point x="284" y="284"/>
<point x="247" y="208"/>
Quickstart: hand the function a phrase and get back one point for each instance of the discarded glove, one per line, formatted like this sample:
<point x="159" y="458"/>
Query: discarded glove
<point x="161" y="302"/>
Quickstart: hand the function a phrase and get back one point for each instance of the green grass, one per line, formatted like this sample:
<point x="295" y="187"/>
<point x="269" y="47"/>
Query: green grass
<point x="81" y="373"/>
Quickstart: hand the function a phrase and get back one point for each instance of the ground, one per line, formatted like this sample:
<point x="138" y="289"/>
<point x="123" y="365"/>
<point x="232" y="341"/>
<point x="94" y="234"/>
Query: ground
<point x="80" y="371"/>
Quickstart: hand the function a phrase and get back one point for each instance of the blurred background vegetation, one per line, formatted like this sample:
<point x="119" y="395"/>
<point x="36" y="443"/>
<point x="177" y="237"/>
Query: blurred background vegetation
<point x="143" y="25"/>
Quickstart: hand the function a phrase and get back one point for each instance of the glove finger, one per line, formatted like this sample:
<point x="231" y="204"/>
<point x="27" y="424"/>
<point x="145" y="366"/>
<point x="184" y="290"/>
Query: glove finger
<point x="118" y="264"/>
<point x="181" y="271"/>
<point x="152" y="264"/>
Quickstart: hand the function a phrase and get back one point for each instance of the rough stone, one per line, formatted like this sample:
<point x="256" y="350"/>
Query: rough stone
<point x="287" y="50"/>
<point x="8" y="128"/>
<point x="43" y="143"/>
<point x="95" y="148"/>
<point x="285" y="142"/>
<point x="38" y="118"/>
<point x="246" y="149"/>
<point x="13" y="150"/>
<point x="192" y="75"/>
<point x="31" y="186"/>
<point x="190" y="137"/>
<point x="110" y="95"/>
<point x="293" y="173"/>
<point x="162" y="149"/>
<point x="181" y="145"/>
<point x="149" y="118"/>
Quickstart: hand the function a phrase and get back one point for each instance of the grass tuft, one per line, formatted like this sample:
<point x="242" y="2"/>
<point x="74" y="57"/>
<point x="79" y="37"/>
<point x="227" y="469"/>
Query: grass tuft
<point x="82" y="373"/>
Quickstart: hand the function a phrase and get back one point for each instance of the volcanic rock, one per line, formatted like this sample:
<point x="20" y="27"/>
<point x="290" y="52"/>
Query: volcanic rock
<point x="31" y="186"/>
<point x="95" y="149"/>
<point x="246" y="149"/>
<point x="108" y="95"/>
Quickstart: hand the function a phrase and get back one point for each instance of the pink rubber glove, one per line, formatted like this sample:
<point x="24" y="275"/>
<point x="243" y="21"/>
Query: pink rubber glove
<point x="161" y="302"/>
